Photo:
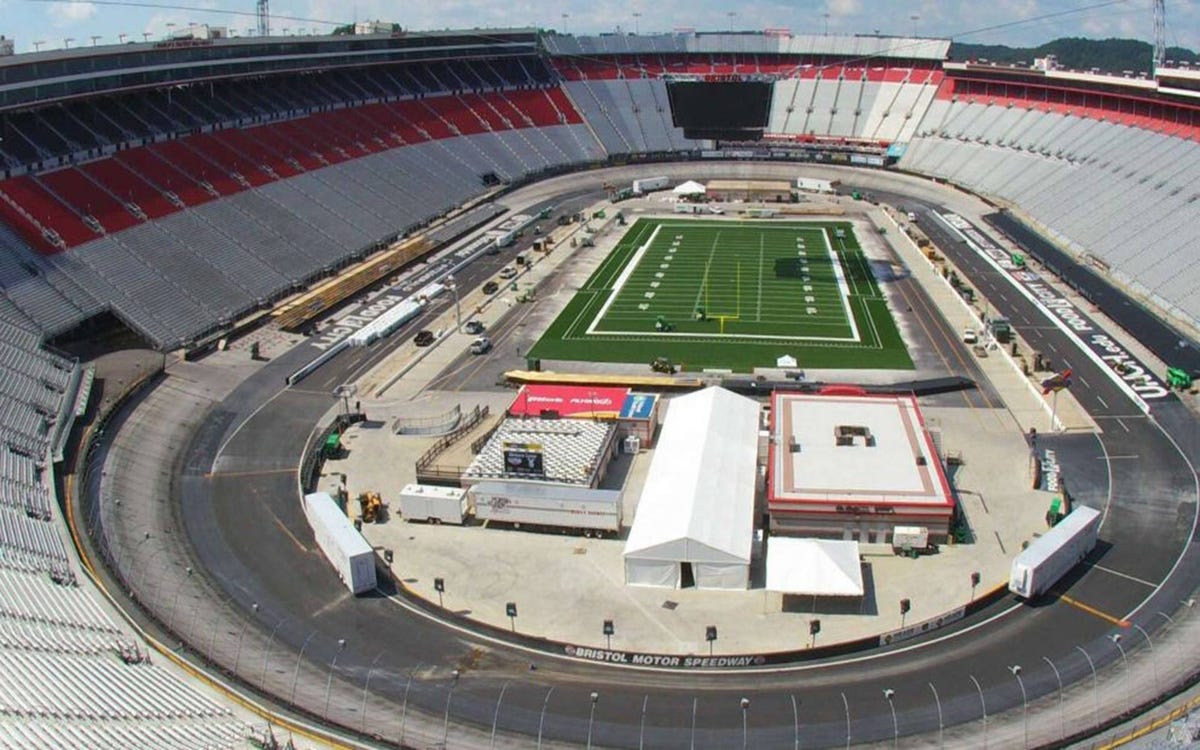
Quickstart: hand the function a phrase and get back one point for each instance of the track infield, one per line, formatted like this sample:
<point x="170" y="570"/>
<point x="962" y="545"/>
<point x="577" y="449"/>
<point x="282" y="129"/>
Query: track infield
<point x="730" y="294"/>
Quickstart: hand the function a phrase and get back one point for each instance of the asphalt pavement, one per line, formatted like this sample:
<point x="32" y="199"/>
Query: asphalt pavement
<point x="239" y="499"/>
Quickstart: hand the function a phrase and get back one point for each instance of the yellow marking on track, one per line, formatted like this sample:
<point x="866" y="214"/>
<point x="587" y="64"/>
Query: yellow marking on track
<point x="1093" y="611"/>
<point x="249" y="473"/>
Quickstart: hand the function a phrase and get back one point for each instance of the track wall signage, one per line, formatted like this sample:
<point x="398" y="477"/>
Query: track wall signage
<point x="1135" y="375"/>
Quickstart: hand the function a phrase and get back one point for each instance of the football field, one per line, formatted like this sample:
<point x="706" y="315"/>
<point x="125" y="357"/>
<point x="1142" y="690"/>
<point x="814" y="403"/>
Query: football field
<point x="730" y="294"/>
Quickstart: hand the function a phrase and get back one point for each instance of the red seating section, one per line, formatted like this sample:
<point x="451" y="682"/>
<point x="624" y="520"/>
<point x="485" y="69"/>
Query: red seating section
<point x="143" y="176"/>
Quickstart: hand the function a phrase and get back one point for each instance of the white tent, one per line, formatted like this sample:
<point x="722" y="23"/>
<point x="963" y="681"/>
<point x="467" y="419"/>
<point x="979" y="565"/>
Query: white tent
<point x="786" y="360"/>
<point x="691" y="187"/>
<point x="697" y="504"/>
<point x="814" y="567"/>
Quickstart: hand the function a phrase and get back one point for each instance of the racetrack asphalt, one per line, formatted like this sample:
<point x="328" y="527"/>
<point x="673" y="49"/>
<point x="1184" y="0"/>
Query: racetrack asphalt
<point x="242" y="516"/>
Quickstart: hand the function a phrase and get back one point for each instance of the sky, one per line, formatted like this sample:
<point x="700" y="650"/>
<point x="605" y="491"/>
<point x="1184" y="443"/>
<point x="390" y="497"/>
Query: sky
<point x="1012" y="22"/>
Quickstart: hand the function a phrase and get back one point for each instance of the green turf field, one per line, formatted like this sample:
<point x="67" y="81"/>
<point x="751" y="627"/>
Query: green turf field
<point x="730" y="294"/>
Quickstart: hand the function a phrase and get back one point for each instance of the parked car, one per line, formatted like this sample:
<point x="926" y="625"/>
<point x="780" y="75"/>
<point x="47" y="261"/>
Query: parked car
<point x="491" y="287"/>
<point x="508" y="272"/>
<point x="474" y="327"/>
<point x="423" y="338"/>
<point x="481" y="345"/>
<point x="970" y="336"/>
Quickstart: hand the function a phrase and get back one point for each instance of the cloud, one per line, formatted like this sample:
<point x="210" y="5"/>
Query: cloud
<point x="69" y="13"/>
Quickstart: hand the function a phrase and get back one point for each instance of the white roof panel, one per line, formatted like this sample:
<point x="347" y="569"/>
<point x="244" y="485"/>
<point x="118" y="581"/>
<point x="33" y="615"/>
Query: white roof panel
<point x="815" y="567"/>
<point x="697" y="503"/>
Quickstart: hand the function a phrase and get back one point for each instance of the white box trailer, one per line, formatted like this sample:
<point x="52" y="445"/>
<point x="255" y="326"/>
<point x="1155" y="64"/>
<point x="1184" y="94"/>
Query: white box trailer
<point x="812" y="185"/>
<point x="345" y="548"/>
<point x="1050" y="556"/>
<point x="647" y="184"/>
<point x="425" y="502"/>
<point x="689" y="208"/>
<point x="910" y="537"/>
<point x="548" y="507"/>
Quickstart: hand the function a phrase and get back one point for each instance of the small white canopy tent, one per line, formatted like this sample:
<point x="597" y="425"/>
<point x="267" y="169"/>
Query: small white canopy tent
<point x="691" y="187"/>
<point x="697" y="504"/>
<point x="814" y="567"/>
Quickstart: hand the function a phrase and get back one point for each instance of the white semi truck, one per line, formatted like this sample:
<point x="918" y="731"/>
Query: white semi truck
<point x="345" y="548"/>
<point x="1052" y="555"/>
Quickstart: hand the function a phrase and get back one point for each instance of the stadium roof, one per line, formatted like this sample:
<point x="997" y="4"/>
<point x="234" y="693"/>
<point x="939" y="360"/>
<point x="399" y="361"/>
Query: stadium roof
<point x="750" y="43"/>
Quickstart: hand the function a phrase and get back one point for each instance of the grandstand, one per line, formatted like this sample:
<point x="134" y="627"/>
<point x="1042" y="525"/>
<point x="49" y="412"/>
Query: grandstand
<point x="180" y="212"/>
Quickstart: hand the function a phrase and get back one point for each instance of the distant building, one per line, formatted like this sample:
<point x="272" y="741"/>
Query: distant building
<point x="6" y="46"/>
<point x="372" y="27"/>
<point x="200" y="31"/>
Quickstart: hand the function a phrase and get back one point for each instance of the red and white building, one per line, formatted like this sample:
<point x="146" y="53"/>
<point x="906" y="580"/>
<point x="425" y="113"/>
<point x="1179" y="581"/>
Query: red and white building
<point x="848" y="465"/>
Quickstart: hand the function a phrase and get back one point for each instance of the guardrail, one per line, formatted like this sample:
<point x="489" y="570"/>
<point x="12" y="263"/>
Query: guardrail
<point x="474" y="417"/>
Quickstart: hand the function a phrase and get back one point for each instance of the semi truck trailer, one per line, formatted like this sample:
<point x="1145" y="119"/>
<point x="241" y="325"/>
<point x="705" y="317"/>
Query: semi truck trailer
<point x="1052" y="555"/>
<point x="345" y="548"/>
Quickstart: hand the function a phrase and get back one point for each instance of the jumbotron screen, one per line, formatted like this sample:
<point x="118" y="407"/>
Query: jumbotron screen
<point x="734" y="110"/>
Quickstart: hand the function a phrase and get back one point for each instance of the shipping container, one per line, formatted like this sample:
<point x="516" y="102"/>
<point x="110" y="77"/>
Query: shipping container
<point x="345" y="548"/>
<point x="647" y="184"/>
<point x="423" y="502"/>
<point x="1053" y="554"/>
<point x="548" y="507"/>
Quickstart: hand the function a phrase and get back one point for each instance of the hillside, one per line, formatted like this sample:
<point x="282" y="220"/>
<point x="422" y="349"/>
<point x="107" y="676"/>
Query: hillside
<point x="1109" y="55"/>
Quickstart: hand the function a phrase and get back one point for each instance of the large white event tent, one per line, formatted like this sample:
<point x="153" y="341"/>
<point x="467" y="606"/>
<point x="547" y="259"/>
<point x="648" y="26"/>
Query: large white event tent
<point x="689" y="188"/>
<point x="697" y="504"/>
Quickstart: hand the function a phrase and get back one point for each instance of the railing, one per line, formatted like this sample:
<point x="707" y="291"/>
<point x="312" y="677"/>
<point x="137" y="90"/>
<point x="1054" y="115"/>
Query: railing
<point x="477" y="415"/>
<point x="437" y="425"/>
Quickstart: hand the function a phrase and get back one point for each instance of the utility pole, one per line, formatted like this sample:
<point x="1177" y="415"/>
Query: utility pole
<point x="1160" y="33"/>
<point x="264" y="18"/>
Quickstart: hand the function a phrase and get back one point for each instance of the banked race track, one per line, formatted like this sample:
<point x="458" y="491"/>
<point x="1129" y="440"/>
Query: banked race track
<point x="423" y="679"/>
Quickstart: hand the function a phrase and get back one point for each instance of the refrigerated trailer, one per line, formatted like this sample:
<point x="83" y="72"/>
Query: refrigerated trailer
<point x="1050" y="556"/>
<point x="548" y="507"/>
<point x="424" y="502"/>
<point x="647" y="184"/>
<point x="345" y="548"/>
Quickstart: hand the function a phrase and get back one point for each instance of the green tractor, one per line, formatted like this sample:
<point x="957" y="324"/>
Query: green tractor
<point x="1178" y="378"/>
<point x="663" y="365"/>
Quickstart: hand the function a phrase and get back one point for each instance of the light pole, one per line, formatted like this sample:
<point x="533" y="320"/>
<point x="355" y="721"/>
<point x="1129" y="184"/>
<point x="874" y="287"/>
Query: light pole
<point x="941" y="724"/>
<point x="1062" y="722"/>
<point x="795" y="723"/>
<point x="710" y="635"/>
<point x="565" y="16"/>
<point x="914" y="18"/>
<point x="592" y="718"/>
<point x="362" y="714"/>
<point x="826" y="16"/>
<point x="982" y="703"/>
<point x="1095" y="687"/>
<point x="745" y="722"/>
<point x="642" y="723"/>
<point x="545" y="703"/>
<point x="1153" y="653"/>
<point x="329" y="680"/>
<point x="238" y="659"/>
<point x="37" y="46"/>
<point x="175" y="603"/>
<point x="496" y="716"/>
<point x="1116" y="639"/>
<point x="637" y="29"/>
<point x="1016" y="672"/>
<point x="888" y="695"/>
<point x="846" y="705"/>
<point x="67" y="42"/>
<point x="404" y="702"/>
<point x="296" y="674"/>
<point x="121" y="38"/>
<point x="267" y="659"/>
<point x="95" y="38"/>
<point x="446" y="718"/>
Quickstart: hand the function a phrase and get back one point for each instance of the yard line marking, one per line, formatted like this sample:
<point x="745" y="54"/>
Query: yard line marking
<point x="1102" y="402"/>
<point x="761" y="250"/>
<point x="704" y="280"/>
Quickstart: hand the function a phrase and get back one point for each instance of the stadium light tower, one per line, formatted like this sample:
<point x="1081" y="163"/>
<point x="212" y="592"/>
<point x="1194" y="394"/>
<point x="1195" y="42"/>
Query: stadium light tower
<point x="1160" y="33"/>
<point x="264" y="17"/>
